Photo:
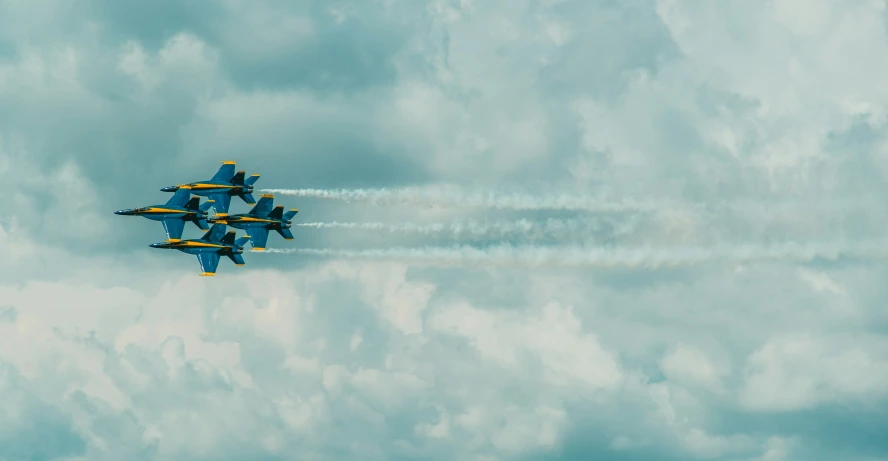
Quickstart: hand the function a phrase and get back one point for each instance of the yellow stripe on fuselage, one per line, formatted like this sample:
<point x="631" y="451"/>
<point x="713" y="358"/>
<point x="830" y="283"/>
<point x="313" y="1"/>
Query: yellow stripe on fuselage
<point x="251" y="219"/>
<point x="164" y="210"/>
<point x="212" y="186"/>
<point x="195" y="244"/>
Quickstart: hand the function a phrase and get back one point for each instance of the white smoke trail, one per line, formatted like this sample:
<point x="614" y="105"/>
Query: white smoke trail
<point x="550" y="228"/>
<point x="575" y="257"/>
<point x="450" y="196"/>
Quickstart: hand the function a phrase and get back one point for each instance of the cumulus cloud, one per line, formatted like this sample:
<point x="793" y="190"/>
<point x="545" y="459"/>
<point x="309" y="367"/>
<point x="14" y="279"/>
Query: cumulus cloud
<point x="113" y="350"/>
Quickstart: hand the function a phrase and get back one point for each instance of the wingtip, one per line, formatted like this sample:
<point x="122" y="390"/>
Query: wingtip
<point x="267" y="195"/>
<point x="228" y="162"/>
<point x="207" y="274"/>
<point x="240" y="264"/>
<point x="174" y="240"/>
<point x="258" y="249"/>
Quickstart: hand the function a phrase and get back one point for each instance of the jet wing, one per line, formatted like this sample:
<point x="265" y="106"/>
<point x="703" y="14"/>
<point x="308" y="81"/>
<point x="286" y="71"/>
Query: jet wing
<point x="225" y="173"/>
<point x="258" y="237"/>
<point x="182" y="195"/>
<point x="215" y="233"/>
<point x="208" y="262"/>
<point x="174" y="227"/>
<point x="221" y="202"/>
<point x="266" y="201"/>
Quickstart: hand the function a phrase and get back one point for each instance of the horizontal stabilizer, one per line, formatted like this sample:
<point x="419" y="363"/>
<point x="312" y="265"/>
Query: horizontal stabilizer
<point x="251" y="180"/>
<point x="248" y="198"/>
<point x="201" y="224"/>
<point x="237" y="259"/>
<point x="277" y="213"/>
<point x="289" y="215"/>
<point x="285" y="233"/>
<point x="206" y="205"/>
<point x="242" y="241"/>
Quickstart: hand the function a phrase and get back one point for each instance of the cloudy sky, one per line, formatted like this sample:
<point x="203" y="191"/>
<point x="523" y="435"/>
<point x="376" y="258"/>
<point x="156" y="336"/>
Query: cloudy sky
<point x="749" y="122"/>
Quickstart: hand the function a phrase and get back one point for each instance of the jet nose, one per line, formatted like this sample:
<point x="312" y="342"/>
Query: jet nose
<point x="123" y="212"/>
<point x="170" y="189"/>
<point x="156" y="245"/>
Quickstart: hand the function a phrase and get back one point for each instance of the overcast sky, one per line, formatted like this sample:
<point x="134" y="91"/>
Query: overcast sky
<point x="753" y="122"/>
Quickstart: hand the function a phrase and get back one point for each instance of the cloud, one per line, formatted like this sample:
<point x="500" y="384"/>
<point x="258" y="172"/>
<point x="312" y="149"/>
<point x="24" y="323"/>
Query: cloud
<point x="113" y="350"/>
<point x="799" y="372"/>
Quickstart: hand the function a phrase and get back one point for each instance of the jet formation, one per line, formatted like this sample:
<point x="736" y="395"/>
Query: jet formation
<point x="216" y="242"/>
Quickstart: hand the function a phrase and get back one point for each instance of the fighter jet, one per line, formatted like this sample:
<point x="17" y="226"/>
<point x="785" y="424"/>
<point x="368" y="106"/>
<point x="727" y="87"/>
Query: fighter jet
<point x="175" y="212"/>
<point x="222" y="187"/>
<point x="261" y="219"/>
<point x="210" y="248"/>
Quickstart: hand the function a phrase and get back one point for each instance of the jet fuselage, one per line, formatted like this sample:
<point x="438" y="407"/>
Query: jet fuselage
<point x="194" y="247"/>
<point x="161" y="212"/>
<point x="208" y="188"/>
<point x="246" y="221"/>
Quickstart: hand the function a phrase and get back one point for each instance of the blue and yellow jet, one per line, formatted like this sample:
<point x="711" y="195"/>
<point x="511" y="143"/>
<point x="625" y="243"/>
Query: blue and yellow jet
<point x="225" y="184"/>
<point x="209" y="248"/>
<point x="178" y="210"/>
<point x="261" y="219"/>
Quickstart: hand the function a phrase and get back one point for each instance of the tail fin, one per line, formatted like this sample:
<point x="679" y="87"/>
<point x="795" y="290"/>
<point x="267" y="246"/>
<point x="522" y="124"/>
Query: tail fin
<point x="289" y="215"/>
<point x="247" y="198"/>
<point x="285" y="233"/>
<point x="252" y="180"/>
<point x="242" y="241"/>
<point x="277" y="212"/>
<point x="207" y="205"/>
<point x="238" y="178"/>
<point x="237" y="259"/>
<point x="229" y="238"/>
<point x="183" y="193"/>
<point x="193" y="204"/>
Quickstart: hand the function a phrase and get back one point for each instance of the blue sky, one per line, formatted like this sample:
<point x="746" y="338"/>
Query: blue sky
<point x="769" y="114"/>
